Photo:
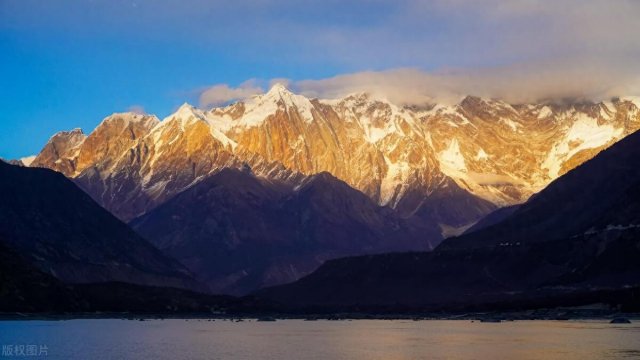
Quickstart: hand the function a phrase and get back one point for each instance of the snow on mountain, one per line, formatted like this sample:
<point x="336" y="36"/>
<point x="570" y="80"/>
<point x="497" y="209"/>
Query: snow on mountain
<point x="27" y="160"/>
<point x="255" y="110"/>
<point x="585" y="133"/>
<point x="479" y="150"/>
<point x="635" y="100"/>
<point x="61" y="151"/>
<point x="188" y="114"/>
<point x="544" y="113"/>
<point x="452" y="161"/>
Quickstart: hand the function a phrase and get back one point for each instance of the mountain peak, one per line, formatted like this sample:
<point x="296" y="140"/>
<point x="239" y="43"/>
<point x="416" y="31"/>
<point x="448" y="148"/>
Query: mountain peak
<point x="129" y="114"/>
<point x="635" y="100"/>
<point x="27" y="160"/>
<point x="186" y="111"/>
<point x="278" y="89"/>
<point x="185" y="107"/>
<point x="74" y="133"/>
<point x="363" y="98"/>
<point x="280" y="92"/>
<point x="260" y="106"/>
<point x="127" y="118"/>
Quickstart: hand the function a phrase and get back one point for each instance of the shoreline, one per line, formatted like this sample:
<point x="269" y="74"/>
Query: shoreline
<point x="534" y="315"/>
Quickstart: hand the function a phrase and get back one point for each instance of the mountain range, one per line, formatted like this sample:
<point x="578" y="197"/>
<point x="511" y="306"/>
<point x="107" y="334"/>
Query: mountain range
<point x="263" y="191"/>
<point x="478" y="154"/>
<point x="239" y="232"/>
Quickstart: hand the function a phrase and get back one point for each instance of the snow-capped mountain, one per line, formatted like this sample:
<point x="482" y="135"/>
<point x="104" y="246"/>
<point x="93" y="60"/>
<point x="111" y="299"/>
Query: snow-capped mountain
<point x="448" y="164"/>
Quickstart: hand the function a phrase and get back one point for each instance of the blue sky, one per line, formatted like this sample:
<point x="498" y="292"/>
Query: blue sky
<point x="57" y="77"/>
<point x="55" y="81"/>
<point x="67" y="64"/>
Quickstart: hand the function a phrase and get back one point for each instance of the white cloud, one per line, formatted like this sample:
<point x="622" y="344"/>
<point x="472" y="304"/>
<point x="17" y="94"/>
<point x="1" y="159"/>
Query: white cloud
<point x="517" y="50"/>
<point x="521" y="83"/>
<point x="222" y="93"/>
<point x="572" y="79"/>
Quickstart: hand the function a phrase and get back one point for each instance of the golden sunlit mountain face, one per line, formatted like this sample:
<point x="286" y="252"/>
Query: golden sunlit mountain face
<point x="492" y="150"/>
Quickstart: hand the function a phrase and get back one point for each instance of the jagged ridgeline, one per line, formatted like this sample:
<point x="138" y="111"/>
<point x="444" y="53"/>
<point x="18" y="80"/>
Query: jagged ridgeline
<point x="477" y="154"/>
<point x="406" y="177"/>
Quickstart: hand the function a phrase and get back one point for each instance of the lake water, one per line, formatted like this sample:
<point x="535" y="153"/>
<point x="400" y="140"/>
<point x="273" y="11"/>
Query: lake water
<point x="297" y="339"/>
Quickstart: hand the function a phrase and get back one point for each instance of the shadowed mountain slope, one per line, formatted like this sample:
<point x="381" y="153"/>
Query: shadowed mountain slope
<point x="238" y="232"/>
<point x="56" y="226"/>
<point x="579" y="235"/>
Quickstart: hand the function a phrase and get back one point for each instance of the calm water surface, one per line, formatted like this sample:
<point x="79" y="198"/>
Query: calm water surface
<point x="350" y="340"/>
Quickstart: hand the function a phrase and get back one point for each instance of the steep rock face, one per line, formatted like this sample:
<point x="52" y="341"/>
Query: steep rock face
<point x="506" y="153"/>
<point x="587" y="199"/>
<point x="461" y="161"/>
<point x="163" y="161"/>
<point x="579" y="235"/>
<point x="62" y="231"/>
<point x="61" y="152"/>
<point x="107" y="143"/>
<point x="238" y="232"/>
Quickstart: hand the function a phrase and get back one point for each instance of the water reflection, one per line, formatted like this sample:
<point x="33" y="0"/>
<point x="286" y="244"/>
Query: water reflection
<point x="353" y="340"/>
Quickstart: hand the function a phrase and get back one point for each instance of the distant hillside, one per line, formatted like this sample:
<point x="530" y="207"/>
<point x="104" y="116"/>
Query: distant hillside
<point x="58" y="228"/>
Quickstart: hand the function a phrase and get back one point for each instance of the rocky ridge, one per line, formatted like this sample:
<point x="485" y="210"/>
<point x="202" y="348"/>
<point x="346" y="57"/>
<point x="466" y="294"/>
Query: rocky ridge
<point x="451" y="164"/>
